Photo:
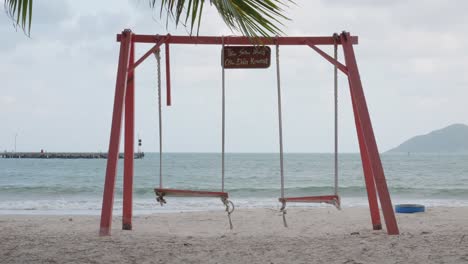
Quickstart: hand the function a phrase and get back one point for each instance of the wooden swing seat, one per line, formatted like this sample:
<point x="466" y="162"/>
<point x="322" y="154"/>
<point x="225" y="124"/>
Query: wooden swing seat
<point x="329" y="199"/>
<point x="188" y="193"/>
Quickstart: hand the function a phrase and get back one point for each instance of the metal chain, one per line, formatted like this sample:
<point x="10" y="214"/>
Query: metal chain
<point x="335" y="83"/>
<point x="280" y="122"/>
<point x="158" y="60"/>
<point x="229" y="204"/>
<point x="280" y="127"/>
<point x="223" y="110"/>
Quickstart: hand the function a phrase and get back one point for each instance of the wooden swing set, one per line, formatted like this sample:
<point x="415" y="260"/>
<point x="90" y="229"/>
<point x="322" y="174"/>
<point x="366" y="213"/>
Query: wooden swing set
<point x="124" y="103"/>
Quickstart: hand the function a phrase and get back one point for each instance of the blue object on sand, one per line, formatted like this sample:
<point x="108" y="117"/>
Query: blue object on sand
<point x="409" y="208"/>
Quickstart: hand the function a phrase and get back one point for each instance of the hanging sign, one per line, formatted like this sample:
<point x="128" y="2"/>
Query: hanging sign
<point x="246" y="57"/>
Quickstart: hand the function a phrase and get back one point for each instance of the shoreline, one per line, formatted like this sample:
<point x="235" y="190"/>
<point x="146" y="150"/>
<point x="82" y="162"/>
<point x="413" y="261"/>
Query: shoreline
<point x="218" y="207"/>
<point x="315" y="235"/>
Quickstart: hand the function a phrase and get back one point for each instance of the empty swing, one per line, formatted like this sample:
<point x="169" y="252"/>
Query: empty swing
<point x="333" y="199"/>
<point x="162" y="192"/>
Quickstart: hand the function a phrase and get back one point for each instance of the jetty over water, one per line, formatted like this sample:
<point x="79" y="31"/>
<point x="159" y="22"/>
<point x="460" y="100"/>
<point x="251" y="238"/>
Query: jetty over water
<point x="62" y="155"/>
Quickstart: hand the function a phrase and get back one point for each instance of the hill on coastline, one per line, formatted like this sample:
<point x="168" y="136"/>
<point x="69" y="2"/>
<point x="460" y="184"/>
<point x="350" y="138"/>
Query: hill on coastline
<point x="451" y="139"/>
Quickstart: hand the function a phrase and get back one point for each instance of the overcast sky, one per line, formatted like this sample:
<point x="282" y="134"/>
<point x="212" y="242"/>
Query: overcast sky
<point x="58" y="86"/>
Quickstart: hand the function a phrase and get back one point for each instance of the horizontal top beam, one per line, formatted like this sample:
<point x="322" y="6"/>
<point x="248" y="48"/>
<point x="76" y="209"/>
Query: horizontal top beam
<point x="237" y="40"/>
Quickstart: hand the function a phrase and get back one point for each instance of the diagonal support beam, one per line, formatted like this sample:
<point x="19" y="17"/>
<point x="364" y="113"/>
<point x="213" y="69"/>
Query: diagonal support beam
<point x="368" y="174"/>
<point x="340" y="66"/>
<point x="368" y="137"/>
<point x="147" y="54"/>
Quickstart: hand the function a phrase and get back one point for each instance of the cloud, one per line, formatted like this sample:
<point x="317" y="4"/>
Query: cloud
<point x="51" y="12"/>
<point x="7" y="102"/>
<point x="58" y="86"/>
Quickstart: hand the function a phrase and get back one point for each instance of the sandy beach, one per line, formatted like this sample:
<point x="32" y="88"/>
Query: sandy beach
<point x="315" y="235"/>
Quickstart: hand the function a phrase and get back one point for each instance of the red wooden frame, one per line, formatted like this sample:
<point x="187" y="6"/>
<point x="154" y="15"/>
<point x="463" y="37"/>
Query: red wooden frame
<point x="374" y="176"/>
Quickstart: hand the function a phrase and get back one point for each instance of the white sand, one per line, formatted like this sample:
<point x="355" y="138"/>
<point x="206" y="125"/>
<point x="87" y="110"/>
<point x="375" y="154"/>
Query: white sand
<point x="314" y="236"/>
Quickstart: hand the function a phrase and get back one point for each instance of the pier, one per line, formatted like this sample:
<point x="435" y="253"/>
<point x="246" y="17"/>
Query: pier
<point x="62" y="155"/>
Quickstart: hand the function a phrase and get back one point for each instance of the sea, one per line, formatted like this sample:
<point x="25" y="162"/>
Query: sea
<point x="64" y="187"/>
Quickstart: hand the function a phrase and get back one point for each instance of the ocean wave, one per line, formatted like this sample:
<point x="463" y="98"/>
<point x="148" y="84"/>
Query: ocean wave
<point x="48" y="189"/>
<point x="177" y="204"/>
<point x="246" y="192"/>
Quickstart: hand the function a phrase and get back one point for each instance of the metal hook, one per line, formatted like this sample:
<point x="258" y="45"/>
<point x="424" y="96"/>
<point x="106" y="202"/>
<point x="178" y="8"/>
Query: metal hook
<point x="160" y="198"/>
<point x="337" y="203"/>
<point x="283" y="211"/>
<point x="229" y="209"/>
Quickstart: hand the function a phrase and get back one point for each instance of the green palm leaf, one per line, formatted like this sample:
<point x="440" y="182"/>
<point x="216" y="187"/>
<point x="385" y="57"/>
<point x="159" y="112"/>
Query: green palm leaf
<point x="250" y="17"/>
<point x="20" y="11"/>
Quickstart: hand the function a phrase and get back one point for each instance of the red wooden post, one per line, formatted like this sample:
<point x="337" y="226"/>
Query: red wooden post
<point x="368" y="175"/>
<point x="168" y="75"/>
<point x="362" y="114"/>
<point x="129" y="145"/>
<point x="113" y="154"/>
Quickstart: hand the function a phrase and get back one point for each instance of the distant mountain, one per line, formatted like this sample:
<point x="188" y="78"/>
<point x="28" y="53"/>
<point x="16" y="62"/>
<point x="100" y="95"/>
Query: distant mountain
<point x="451" y="139"/>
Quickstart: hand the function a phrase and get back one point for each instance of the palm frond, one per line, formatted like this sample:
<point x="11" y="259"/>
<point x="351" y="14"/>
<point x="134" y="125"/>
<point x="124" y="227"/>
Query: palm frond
<point x="250" y="17"/>
<point x="20" y="11"/>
